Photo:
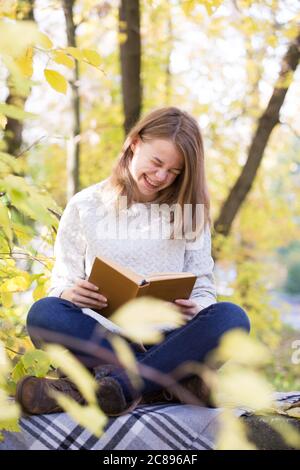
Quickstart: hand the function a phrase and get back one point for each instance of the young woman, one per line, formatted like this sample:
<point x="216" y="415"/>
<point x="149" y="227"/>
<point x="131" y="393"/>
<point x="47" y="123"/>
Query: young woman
<point x="162" y="162"/>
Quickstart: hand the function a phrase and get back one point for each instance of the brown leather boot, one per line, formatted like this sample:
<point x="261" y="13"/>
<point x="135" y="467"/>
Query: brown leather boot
<point x="111" y="398"/>
<point x="110" y="394"/>
<point x="195" y="385"/>
<point x="199" y="388"/>
<point x="33" y="394"/>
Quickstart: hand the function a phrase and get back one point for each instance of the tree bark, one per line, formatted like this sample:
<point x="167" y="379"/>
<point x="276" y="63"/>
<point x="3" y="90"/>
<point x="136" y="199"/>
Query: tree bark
<point x="14" y="127"/>
<point x="130" y="59"/>
<point x="73" y="144"/>
<point x="268" y="120"/>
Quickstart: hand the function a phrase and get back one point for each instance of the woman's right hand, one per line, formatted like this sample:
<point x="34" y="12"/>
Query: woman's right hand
<point x="85" y="294"/>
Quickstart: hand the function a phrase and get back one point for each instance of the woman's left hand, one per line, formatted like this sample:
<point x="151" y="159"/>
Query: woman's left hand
<point x="188" y="307"/>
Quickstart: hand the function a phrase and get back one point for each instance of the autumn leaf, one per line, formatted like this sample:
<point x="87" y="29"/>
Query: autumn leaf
<point x="63" y="59"/>
<point x="3" y="121"/>
<point x="56" y="80"/>
<point x="44" y="41"/>
<point x="92" y="57"/>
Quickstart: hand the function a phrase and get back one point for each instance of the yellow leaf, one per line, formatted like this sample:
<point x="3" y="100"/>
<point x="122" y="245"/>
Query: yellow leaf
<point x="15" y="112"/>
<point x="90" y="417"/>
<point x="122" y="38"/>
<point x="232" y="433"/>
<point x="285" y="80"/>
<point x="39" y="292"/>
<point x="76" y="371"/>
<point x="92" y="57"/>
<point x="8" y="8"/>
<point x="76" y="53"/>
<point x="16" y="284"/>
<point x="25" y="63"/>
<point x="8" y="411"/>
<point x="61" y="58"/>
<point x="240" y="347"/>
<point x="239" y="387"/>
<point x="16" y="36"/>
<point x="294" y="412"/>
<point x="272" y="40"/>
<point x="3" y="121"/>
<point x="7" y="299"/>
<point x="4" y="362"/>
<point x="143" y="319"/>
<point x="56" y="80"/>
<point x="127" y="359"/>
<point x="44" y="41"/>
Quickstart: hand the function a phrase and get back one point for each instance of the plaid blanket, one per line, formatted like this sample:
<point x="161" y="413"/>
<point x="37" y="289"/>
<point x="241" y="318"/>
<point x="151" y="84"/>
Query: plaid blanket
<point x="152" y="427"/>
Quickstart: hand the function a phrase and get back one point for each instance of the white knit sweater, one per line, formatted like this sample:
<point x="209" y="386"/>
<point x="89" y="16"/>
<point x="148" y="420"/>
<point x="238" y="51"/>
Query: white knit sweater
<point x="81" y="237"/>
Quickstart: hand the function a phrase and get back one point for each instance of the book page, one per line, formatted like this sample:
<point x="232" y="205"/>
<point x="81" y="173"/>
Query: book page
<point x="109" y="325"/>
<point x="164" y="276"/>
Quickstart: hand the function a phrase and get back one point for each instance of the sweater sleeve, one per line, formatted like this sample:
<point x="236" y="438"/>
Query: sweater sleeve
<point x="69" y="251"/>
<point x="199" y="261"/>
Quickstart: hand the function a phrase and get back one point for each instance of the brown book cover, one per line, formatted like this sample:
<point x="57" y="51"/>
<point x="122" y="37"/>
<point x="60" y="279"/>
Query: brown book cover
<point x="120" y="284"/>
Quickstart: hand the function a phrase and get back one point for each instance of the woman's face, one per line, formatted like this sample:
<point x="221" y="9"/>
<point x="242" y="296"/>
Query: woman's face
<point x="154" y="166"/>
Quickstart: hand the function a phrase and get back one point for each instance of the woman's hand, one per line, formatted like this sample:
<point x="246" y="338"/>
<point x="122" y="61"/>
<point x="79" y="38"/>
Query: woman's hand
<point x="188" y="307"/>
<point x="84" y="294"/>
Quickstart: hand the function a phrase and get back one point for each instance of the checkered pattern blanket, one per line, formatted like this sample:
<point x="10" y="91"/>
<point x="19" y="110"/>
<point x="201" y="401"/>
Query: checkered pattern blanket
<point x="152" y="427"/>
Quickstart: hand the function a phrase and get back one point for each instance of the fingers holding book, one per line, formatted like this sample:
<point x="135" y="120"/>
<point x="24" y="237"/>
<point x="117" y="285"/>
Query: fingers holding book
<point x="187" y="306"/>
<point x="85" y="294"/>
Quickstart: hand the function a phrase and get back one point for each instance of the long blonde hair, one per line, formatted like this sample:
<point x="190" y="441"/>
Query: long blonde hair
<point x="189" y="187"/>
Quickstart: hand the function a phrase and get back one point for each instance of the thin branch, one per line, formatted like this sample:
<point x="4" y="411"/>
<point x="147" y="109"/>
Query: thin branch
<point x="296" y="134"/>
<point x="15" y="352"/>
<point x="31" y="146"/>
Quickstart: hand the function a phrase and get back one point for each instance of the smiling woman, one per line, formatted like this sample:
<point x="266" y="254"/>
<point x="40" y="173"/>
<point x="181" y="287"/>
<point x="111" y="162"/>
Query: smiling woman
<point x="162" y="162"/>
<point x="153" y="174"/>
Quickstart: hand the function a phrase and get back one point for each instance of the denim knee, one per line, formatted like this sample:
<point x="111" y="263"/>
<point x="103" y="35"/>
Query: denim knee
<point x="236" y="317"/>
<point x="37" y="314"/>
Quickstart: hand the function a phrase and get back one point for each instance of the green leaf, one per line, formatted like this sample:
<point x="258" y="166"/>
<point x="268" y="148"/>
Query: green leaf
<point x="14" y="112"/>
<point x="56" y="80"/>
<point x="36" y="362"/>
<point x="18" y="371"/>
<point x="28" y="199"/>
<point x="10" y="425"/>
<point x="5" y="223"/>
<point x="10" y="161"/>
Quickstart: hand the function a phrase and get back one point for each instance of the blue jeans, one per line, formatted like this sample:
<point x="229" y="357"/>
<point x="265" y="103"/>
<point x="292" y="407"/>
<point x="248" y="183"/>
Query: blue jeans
<point x="56" y="320"/>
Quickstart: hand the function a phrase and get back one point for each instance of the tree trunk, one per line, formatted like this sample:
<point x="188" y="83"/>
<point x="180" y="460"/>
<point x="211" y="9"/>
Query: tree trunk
<point x="266" y="124"/>
<point x="130" y="57"/>
<point x="14" y="127"/>
<point x="73" y="144"/>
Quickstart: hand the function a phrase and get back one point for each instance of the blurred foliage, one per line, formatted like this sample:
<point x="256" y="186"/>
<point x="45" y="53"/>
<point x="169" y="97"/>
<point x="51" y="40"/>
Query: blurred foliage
<point x="237" y="82"/>
<point x="292" y="285"/>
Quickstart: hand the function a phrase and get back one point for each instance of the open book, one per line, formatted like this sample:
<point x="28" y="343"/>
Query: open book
<point x="120" y="284"/>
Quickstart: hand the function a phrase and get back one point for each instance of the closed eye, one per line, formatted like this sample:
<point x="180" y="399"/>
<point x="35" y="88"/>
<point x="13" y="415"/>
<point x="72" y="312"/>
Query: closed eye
<point x="174" y="171"/>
